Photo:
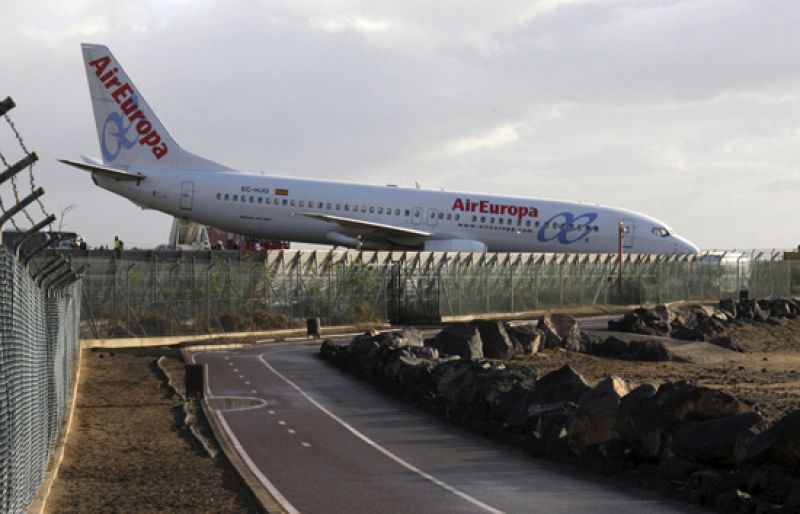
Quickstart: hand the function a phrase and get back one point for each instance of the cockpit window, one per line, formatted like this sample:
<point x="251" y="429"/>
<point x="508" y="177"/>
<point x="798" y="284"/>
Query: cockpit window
<point x="660" y="231"/>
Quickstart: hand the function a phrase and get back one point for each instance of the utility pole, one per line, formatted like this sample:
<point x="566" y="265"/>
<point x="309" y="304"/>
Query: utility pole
<point x="620" y="239"/>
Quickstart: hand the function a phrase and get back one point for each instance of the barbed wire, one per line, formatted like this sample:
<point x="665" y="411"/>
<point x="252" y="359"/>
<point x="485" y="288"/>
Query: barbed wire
<point x="2" y="207"/>
<point x="30" y="167"/>
<point x="14" y="187"/>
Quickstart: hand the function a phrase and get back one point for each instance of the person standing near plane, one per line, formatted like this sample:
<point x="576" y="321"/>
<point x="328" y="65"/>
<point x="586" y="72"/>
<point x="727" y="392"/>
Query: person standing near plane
<point x="118" y="246"/>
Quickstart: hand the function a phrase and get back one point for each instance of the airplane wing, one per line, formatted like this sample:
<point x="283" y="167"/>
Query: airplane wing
<point x="107" y="171"/>
<point x="390" y="230"/>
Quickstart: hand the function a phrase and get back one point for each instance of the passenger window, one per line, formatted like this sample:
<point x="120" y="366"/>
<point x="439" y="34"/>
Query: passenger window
<point x="458" y="217"/>
<point x="397" y="212"/>
<point x="483" y="219"/>
<point x="291" y="203"/>
<point x="441" y="215"/>
<point x="363" y="208"/>
<point x="319" y="205"/>
<point x="346" y="208"/>
<point x="528" y="223"/>
<point x="260" y="199"/>
<point x="235" y="197"/>
<point x="372" y="210"/>
<point x="338" y="206"/>
<point x="252" y="200"/>
<point x="302" y="203"/>
<point x="219" y="196"/>
<point x="380" y="210"/>
<point x="328" y="205"/>
<point x="227" y="197"/>
<point x="244" y="198"/>
<point x="408" y="213"/>
<point x="596" y="228"/>
<point x="474" y="218"/>
<point x="284" y="202"/>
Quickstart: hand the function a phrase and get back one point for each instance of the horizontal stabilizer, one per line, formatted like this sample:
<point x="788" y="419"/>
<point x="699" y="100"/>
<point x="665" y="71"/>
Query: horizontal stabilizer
<point x="372" y="226"/>
<point x="107" y="171"/>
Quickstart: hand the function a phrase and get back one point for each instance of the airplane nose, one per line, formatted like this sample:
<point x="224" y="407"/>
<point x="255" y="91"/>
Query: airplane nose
<point x="685" y="246"/>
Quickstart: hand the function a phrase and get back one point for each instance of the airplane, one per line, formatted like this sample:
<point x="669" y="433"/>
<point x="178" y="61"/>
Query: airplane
<point x="143" y="163"/>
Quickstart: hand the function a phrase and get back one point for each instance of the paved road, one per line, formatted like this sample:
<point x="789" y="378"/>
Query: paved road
<point x="326" y="442"/>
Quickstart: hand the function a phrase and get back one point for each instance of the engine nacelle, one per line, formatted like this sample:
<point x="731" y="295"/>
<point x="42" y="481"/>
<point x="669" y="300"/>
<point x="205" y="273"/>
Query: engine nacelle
<point x="454" y="245"/>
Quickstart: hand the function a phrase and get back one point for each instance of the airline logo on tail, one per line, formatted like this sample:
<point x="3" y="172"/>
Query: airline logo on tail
<point x="125" y="96"/>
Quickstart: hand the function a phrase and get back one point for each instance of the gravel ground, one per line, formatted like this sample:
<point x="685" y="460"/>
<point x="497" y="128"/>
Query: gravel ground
<point x="128" y="450"/>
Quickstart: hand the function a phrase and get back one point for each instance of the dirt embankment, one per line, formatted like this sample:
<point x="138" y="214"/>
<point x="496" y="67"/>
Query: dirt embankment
<point x="128" y="450"/>
<point x="766" y="376"/>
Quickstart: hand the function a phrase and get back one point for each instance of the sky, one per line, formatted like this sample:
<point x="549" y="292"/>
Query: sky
<point x="686" y="110"/>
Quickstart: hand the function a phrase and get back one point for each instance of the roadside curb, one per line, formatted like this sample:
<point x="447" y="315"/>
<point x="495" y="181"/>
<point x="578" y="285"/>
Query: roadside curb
<point x="268" y="502"/>
<point x="40" y="502"/>
<point x="143" y="342"/>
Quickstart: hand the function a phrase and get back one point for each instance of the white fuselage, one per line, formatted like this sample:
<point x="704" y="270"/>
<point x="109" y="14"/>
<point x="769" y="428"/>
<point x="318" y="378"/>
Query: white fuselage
<point x="282" y="208"/>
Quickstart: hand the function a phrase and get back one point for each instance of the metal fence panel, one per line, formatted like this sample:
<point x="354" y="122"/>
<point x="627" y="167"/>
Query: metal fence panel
<point x="38" y="353"/>
<point x="148" y="294"/>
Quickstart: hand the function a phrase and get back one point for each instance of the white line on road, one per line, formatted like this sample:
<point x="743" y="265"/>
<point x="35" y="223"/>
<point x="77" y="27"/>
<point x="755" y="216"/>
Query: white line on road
<point x="271" y="411"/>
<point x="247" y="383"/>
<point x="305" y="444"/>
<point x="269" y="486"/>
<point x="256" y="392"/>
<point x="241" y="376"/>
<point x="288" y="507"/>
<point x="236" y="370"/>
<point x="427" y="476"/>
<point x="291" y="431"/>
<point x="282" y="423"/>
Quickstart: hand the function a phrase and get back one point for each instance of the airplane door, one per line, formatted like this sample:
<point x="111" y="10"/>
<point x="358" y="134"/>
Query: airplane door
<point x="627" y="240"/>
<point x="416" y="215"/>
<point x="432" y="218"/>
<point x="187" y="195"/>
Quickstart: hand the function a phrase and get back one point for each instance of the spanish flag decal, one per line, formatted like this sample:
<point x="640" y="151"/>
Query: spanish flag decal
<point x="282" y="192"/>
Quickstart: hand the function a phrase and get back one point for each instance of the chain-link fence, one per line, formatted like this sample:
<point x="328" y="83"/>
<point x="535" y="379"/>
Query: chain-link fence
<point x="38" y="350"/>
<point x="156" y="293"/>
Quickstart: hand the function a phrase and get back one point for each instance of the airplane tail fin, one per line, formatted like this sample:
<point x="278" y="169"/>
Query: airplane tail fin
<point x="129" y="132"/>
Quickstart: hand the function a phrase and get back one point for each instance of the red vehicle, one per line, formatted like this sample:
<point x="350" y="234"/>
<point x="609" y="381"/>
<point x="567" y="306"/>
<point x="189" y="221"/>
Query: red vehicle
<point x="219" y="239"/>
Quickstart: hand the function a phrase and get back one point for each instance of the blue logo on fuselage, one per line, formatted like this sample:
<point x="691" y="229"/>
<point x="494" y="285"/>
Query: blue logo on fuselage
<point x="564" y="227"/>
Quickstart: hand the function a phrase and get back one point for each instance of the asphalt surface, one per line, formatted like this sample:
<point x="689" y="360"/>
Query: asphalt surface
<point x="326" y="442"/>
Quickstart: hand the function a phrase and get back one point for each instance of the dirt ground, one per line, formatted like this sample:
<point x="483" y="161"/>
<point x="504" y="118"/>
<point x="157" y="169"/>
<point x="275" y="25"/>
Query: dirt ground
<point x="766" y="376"/>
<point x="128" y="450"/>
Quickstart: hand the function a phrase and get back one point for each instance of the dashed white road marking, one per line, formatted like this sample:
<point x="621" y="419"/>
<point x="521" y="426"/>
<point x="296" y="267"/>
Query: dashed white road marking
<point x="241" y="376"/>
<point x="291" y="431"/>
<point x="236" y="370"/>
<point x="256" y="392"/>
<point x="227" y="358"/>
<point x="305" y="445"/>
<point x="246" y="382"/>
<point x="427" y="476"/>
<point x="271" y="411"/>
<point x="230" y="363"/>
<point x="282" y="423"/>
